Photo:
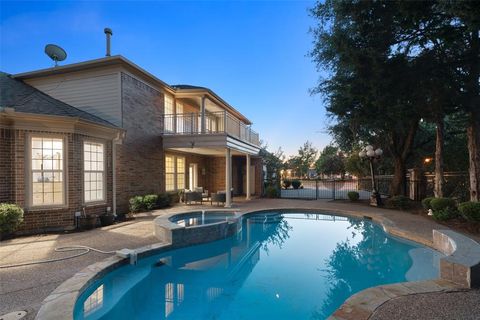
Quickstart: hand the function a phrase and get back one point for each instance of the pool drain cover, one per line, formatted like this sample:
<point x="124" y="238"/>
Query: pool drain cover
<point x="15" y="315"/>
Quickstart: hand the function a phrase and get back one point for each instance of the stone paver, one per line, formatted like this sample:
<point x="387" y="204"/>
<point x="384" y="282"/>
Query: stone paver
<point x="24" y="288"/>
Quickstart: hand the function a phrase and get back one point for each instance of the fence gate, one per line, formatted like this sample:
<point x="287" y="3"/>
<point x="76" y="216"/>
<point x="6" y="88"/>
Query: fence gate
<point x="327" y="189"/>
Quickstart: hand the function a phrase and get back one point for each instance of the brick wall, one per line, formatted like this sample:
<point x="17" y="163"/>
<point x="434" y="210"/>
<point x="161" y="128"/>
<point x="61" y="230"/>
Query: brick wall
<point x="140" y="158"/>
<point x="15" y="179"/>
<point x="6" y="162"/>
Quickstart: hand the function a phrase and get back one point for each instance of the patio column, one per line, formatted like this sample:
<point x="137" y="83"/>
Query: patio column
<point x="248" y="178"/>
<point x="202" y="119"/>
<point x="228" y="178"/>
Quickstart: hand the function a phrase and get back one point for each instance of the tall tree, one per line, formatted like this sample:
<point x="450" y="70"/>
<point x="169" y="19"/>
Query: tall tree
<point x="330" y="161"/>
<point x="306" y="157"/>
<point x="370" y="90"/>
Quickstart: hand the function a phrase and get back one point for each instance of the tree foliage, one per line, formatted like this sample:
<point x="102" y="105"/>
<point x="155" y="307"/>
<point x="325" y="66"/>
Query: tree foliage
<point x="390" y="64"/>
<point x="305" y="158"/>
<point x="330" y="161"/>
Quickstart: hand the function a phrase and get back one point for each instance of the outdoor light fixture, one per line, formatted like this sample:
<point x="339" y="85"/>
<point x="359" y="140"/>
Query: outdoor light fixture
<point x="372" y="155"/>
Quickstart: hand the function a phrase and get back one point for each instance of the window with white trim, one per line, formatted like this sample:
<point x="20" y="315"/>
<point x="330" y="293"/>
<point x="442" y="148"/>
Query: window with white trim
<point x="94" y="171"/>
<point x="174" y="172"/>
<point x="47" y="172"/>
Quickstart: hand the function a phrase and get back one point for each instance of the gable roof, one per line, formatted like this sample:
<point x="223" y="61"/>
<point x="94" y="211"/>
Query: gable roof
<point x="24" y="98"/>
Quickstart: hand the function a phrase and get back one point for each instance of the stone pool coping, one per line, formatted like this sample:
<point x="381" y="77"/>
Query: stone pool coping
<point x="463" y="261"/>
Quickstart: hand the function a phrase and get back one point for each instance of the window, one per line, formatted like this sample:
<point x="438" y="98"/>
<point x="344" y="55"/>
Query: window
<point x="180" y="173"/>
<point x="169" y="173"/>
<point x="47" y="171"/>
<point x="169" y="114"/>
<point x="93" y="171"/>
<point x="174" y="173"/>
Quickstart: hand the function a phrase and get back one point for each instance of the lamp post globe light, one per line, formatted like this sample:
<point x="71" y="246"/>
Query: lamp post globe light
<point x="372" y="154"/>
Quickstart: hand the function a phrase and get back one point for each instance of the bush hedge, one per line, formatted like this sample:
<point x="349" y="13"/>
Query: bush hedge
<point x="296" y="184"/>
<point x="442" y="203"/>
<point x="136" y="204"/>
<point x="444" y="214"/>
<point x="153" y="201"/>
<point x="150" y="201"/>
<point x="11" y="215"/>
<point x="271" y="192"/>
<point x="470" y="210"/>
<point x="353" y="195"/>
<point x="426" y="203"/>
<point x="443" y="208"/>
<point x="399" y="202"/>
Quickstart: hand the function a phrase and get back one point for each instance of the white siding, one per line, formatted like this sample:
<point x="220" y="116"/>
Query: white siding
<point x="97" y="92"/>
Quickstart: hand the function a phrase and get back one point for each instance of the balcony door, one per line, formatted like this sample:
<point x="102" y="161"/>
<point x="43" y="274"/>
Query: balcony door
<point x="193" y="176"/>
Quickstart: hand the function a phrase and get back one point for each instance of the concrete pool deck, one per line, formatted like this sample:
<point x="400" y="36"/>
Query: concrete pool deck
<point x="24" y="288"/>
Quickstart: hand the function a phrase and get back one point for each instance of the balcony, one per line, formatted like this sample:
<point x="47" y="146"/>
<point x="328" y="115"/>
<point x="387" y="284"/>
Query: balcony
<point x="213" y="123"/>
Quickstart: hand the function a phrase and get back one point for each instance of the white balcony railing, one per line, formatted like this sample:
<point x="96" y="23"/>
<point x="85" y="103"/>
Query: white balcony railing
<point x="215" y="122"/>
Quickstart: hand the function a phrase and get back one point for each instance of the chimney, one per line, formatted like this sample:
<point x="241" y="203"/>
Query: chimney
<point x="108" y="33"/>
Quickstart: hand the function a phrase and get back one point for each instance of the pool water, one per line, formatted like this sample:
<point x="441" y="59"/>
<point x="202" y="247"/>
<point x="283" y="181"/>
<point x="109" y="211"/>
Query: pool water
<point x="201" y="218"/>
<point x="279" y="266"/>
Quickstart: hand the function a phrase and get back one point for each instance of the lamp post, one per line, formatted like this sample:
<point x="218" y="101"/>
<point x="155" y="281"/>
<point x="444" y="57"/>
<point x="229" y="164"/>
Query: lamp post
<point x="372" y="155"/>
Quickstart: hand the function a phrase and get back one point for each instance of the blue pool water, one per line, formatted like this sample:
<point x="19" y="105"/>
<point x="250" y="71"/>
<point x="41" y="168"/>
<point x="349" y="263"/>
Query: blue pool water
<point x="279" y="266"/>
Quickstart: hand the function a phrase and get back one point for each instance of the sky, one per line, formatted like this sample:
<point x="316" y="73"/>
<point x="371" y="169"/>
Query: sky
<point x="251" y="53"/>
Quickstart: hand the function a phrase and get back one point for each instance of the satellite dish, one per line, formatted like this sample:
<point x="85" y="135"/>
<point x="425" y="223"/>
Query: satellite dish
<point x="55" y="53"/>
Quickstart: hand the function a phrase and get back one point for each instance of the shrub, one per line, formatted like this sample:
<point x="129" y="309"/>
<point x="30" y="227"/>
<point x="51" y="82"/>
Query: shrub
<point x="296" y="184"/>
<point x="399" y="202"/>
<point x="442" y="203"/>
<point x="287" y="184"/>
<point x="353" y="195"/>
<point x="163" y="200"/>
<point x="426" y="203"/>
<point x="173" y="197"/>
<point x="470" y="210"/>
<point x="443" y="208"/>
<point x="150" y="201"/>
<point x="271" y="192"/>
<point x="136" y="204"/>
<point x="444" y="214"/>
<point x="11" y="215"/>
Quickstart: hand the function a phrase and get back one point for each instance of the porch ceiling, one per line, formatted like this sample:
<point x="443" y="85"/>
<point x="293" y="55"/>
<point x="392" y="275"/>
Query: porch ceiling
<point x="207" y="151"/>
<point x="208" y="144"/>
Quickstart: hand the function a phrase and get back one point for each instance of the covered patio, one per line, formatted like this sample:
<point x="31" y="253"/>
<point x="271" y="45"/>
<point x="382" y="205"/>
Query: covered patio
<point x="217" y="163"/>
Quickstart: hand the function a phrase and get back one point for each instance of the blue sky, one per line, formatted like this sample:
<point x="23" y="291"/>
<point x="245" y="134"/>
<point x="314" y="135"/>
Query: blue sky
<point x="253" y="54"/>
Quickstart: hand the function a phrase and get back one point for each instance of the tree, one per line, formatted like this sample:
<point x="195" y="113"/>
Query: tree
<point x="450" y="30"/>
<point x="273" y="161"/>
<point x="305" y="158"/>
<point x="330" y="161"/>
<point x="370" y="90"/>
<point x="355" y="166"/>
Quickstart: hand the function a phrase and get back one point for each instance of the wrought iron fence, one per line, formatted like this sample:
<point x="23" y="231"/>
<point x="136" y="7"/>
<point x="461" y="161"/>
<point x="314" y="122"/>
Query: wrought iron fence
<point x="457" y="185"/>
<point x="326" y="189"/>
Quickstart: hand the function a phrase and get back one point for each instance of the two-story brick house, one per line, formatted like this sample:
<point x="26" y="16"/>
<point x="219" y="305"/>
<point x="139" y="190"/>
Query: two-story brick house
<point x="163" y="138"/>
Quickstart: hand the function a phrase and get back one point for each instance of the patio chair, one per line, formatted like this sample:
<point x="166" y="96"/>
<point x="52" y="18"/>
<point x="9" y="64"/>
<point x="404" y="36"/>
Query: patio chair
<point x="193" y="196"/>
<point x="204" y="192"/>
<point x="218" y="197"/>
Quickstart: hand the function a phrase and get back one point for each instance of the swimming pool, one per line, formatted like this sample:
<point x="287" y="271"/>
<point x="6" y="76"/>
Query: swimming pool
<point x="279" y="266"/>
